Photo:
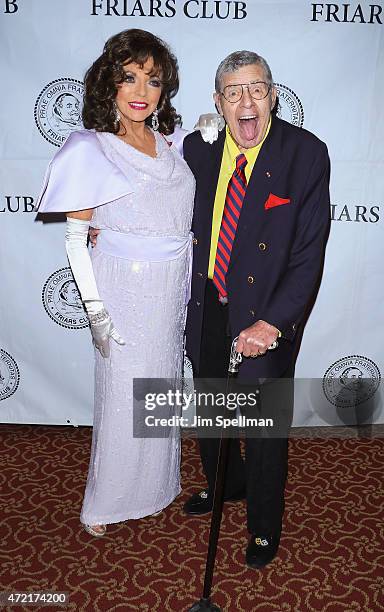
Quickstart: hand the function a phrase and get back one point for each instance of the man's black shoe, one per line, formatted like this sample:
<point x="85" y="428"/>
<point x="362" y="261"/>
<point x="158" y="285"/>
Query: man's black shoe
<point x="261" y="550"/>
<point x="202" y="503"/>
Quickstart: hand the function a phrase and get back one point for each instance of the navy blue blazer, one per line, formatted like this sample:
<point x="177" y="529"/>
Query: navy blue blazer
<point x="278" y="251"/>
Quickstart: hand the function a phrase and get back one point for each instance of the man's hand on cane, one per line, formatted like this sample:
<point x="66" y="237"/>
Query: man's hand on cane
<point x="257" y="339"/>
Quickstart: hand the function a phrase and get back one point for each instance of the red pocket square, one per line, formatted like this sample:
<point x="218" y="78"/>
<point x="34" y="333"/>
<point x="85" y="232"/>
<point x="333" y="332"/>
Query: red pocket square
<point x="274" y="200"/>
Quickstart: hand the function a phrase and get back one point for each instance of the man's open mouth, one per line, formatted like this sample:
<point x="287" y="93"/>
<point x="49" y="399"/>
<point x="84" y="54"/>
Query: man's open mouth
<point x="248" y="126"/>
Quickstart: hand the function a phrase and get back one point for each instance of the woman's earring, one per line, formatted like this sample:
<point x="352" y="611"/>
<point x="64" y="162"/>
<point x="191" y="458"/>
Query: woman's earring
<point x="117" y="114"/>
<point x="155" y="120"/>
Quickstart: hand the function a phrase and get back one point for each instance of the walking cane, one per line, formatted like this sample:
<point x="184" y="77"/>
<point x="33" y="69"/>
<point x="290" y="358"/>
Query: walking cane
<point x="205" y="604"/>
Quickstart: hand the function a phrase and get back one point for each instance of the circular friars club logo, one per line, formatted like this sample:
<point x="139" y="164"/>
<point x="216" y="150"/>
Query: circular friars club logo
<point x="289" y="108"/>
<point x="351" y="381"/>
<point x="9" y="375"/>
<point x="62" y="301"/>
<point x="58" y="110"/>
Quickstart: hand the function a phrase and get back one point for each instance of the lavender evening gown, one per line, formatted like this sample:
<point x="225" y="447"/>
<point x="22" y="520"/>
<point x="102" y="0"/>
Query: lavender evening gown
<point x="132" y="477"/>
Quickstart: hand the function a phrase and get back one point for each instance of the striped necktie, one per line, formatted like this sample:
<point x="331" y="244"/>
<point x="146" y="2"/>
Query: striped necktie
<point x="232" y="208"/>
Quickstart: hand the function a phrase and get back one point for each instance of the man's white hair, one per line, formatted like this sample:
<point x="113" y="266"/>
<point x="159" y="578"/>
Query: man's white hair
<point x="236" y="60"/>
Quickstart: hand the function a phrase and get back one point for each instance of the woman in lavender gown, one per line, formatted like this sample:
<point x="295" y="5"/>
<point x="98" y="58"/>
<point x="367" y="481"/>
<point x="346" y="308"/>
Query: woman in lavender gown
<point x="122" y="176"/>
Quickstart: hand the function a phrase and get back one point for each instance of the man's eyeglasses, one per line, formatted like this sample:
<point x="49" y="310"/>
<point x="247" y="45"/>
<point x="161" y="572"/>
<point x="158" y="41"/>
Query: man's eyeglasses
<point x="257" y="90"/>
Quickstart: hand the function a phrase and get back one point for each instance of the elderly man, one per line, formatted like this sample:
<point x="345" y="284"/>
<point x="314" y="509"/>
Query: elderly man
<point x="261" y="220"/>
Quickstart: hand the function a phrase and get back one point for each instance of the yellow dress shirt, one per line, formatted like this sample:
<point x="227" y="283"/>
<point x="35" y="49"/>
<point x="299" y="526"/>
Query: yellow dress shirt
<point x="228" y="165"/>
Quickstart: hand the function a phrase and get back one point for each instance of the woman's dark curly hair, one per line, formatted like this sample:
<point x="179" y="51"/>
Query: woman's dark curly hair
<point x="107" y="72"/>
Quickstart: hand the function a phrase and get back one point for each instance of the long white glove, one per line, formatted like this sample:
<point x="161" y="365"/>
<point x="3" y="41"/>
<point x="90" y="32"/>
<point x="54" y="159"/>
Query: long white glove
<point x="210" y="125"/>
<point x="102" y="327"/>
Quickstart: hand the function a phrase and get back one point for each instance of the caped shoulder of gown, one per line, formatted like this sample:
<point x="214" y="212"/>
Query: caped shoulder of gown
<point x="80" y="176"/>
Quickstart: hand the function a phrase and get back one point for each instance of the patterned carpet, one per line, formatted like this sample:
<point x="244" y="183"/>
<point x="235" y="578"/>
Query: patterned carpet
<point x="331" y="556"/>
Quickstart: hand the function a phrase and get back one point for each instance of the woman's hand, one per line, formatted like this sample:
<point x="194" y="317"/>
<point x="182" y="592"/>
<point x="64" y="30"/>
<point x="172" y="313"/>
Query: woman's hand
<point x="102" y="329"/>
<point x="93" y="234"/>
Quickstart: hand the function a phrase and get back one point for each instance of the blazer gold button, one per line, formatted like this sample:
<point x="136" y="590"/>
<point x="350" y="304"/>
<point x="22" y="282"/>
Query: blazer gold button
<point x="194" y="241"/>
<point x="251" y="280"/>
<point x="200" y="274"/>
<point x="262" y="246"/>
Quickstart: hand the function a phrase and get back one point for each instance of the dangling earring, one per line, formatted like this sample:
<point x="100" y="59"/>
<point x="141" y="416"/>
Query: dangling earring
<point x="155" y="120"/>
<point x="117" y="114"/>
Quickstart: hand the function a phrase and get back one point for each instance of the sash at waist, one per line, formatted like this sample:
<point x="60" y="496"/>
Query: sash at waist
<point x="148" y="248"/>
<point x="143" y="248"/>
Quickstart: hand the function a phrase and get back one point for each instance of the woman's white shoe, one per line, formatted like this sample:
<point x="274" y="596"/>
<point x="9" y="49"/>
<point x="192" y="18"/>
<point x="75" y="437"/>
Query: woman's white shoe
<point x="91" y="529"/>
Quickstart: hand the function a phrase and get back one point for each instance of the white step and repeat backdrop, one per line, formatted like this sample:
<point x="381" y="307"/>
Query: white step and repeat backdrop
<point x="328" y="63"/>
